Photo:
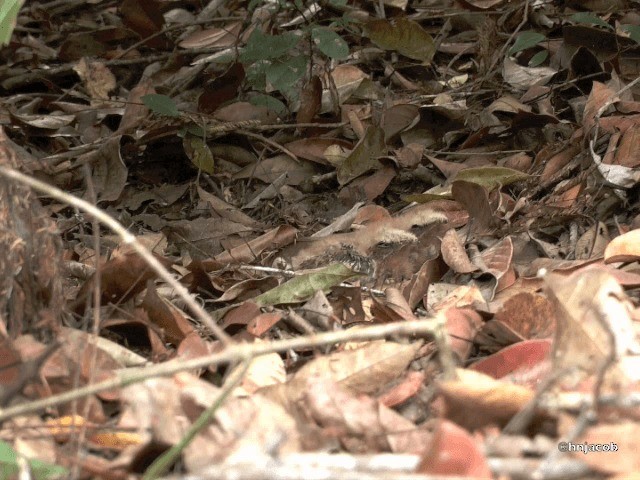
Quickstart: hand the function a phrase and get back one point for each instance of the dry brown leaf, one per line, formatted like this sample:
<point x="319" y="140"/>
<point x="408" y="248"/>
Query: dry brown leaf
<point x="270" y="169"/>
<point x="475" y="199"/>
<point x="410" y="155"/>
<point x="445" y="296"/>
<point x="248" y="252"/>
<point x="529" y="314"/>
<point x="392" y="230"/>
<point x="221" y="89"/>
<point x="48" y="122"/>
<point x="408" y="386"/>
<point x="310" y="100"/>
<point x="593" y="322"/>
<point x="364" y="156"/>
<point x="98" y="80"/>
<point x="600" y="94"/>
<point x="368" y="186"/>
<point x="136" y="329"/>
<point x="627" y="153"/>
<point x="167" y="317"/>
<point x="226" y="36"/>
<point x="454" y="254"/>
<point x="481" y="4"/>
<point x="498" y="261"/>
<point x="476" y="400"/>
<point x="394" y="308"/>
<point x="518" y="161"/>
<point x="516" y="360"/>
<point x="135" y="110"/>
<point x="364" y="369"/>
<point x="453" y="451"/>
<point x="262" y="371"/>
<point x="347" y="78"/>
<point x="399" y="118"/>
<point x="161" y="410"/>
<point x="204" y="236"/>
<point x="108" y="171"/>
<point x="243" y="111"/>
<point x="361" y="423"/>
<point x="462" y="325"/>
<point x="122" y="278"/>
<point x="624" y="248"/>
<point x="593" y="242"/>
<point x="145" y="18"/>
<point x="522" y="78"/>
<point x="314" y="148"/>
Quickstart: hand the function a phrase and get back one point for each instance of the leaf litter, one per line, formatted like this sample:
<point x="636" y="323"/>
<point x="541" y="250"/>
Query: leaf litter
<point x="414" y="226"/>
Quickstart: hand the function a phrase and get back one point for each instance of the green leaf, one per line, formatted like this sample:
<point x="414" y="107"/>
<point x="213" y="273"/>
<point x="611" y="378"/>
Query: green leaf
<point x="161" y="104"/>
<point x="525" y="40"/>
<point x="191" y="129"/>
<point x="301" y="288"/>
<point x="199" y="153"/>
<point x="405" y="36"/>
<point x="330" y="43"/>
<point x="256" y="75"/>
<point x="538" y="59"/>
<point x="270" y="102"/>
<point x="9" y="466"/>
<point x="45" y="471"/>
<point x="8" y="14"/>
<point x="589" y="19"/>
<point x="261" y="46"/>
<point x="8" y="461"/>
<point x="229" y="57"/>
<point x="491" y="177"/>
<point x="282" y="75"/>
<point x="633" y="31"/>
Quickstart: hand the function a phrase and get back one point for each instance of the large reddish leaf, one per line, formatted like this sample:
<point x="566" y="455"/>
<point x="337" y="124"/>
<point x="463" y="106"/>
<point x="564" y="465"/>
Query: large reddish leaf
<point x="453" y="451"/>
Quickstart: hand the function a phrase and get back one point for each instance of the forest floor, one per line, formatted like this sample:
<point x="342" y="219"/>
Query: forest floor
<point x="334" y="239"/>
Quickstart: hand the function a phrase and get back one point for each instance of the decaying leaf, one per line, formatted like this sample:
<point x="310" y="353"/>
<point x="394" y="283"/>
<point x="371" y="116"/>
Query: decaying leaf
<point x="405" y="36"/>
<point x="286" y="211"/>
<point x="475" y="400"/>
<point x="364" y="156"/>
<point x="594" y="326"/>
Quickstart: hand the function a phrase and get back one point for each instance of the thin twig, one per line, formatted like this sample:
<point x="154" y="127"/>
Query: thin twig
<point x="231" y="353"/>
<point x="275" y="145"/>
<point x="80" y="436"/>
<point x="282" y="126"/>
<point x="503" y="51"/>
<point x="68" y="68"/>
<point x="127" y="238"/>
<point x="167" y="30"/>
<point x="164" y="462"/>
